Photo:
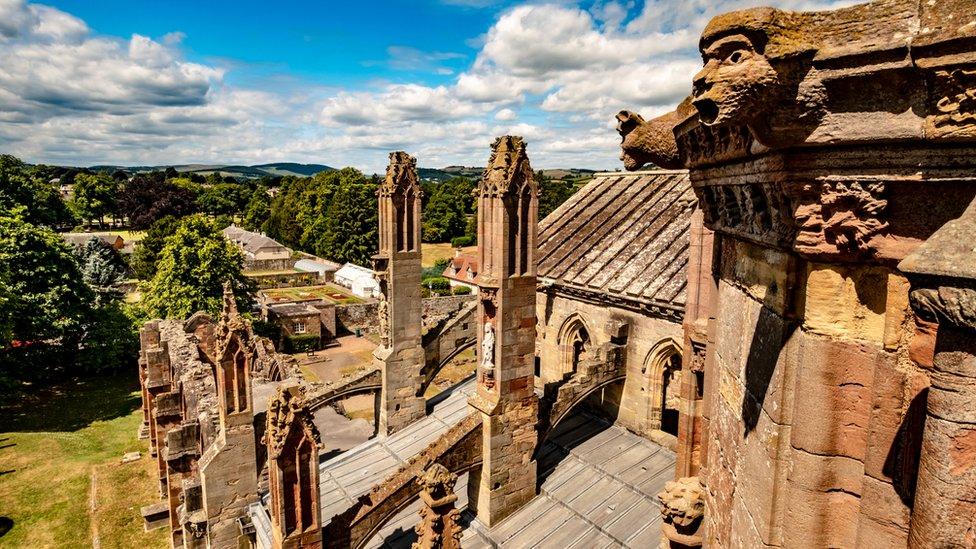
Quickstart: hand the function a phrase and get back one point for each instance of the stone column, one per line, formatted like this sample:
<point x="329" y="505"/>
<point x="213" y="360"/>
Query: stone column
<point x="166" y="415"/>
<point x="505" y="397"/>
<point x="181" y="454"/>
<point x="158" y="381"/>
<point x="148" y="338"/>
<point x="400" y="355"/>
<point x="943" y="276"/>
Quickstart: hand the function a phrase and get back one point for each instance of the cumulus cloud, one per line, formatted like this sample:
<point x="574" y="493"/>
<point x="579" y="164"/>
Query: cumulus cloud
<point x="551" y="72"/>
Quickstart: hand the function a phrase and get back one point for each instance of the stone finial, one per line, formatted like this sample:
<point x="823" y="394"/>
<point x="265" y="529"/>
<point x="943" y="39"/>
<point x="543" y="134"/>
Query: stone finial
<point x="682" y="506"/>
<point x="287" y="410"/>
<point x="401" y="174"/>
<point x="508" y="168"/>
<point x="438" y="527"/>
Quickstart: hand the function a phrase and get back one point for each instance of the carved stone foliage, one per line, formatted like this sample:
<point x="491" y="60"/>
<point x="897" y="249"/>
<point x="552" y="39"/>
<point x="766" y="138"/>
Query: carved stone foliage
<point x="698" y="353"/>
<point x="439" y="519"/>
<point x="682" y="507"/>
<point x="508" y="169"/>
<point x="955" y="107"/>
<point x="287" y="410"/>
<point x="815" y="218"/>
<point x="701" y="144"/>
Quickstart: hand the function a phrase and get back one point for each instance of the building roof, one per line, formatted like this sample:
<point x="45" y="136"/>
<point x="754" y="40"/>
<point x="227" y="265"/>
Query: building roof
<point x="355" y="272"/>
<point x="292" y="309"/>
<point x="624" y="236"/>
<point x="250" y="241"/>
<point x="316" y="265"/>
<point x="463" y="268"/>
<point x="80" y="239"/>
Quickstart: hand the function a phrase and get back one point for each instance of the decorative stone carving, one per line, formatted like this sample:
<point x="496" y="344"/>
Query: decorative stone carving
<point x="682" y="507"/>
<point x="401" y="174"/>
<point x="383" y="312"/>
<point x="652" y="142"/>
<point x="286" y="411"/>
<point x="508" y="168"/>
<point x="956" y="92"/>
<point x="439" y="519"/>
<point x="488" y="347"/>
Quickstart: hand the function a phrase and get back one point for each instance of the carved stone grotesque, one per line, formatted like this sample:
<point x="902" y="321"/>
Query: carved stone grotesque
<point x="438" y="527"/>
<point x="650" y="142"/>
<point x="682" y="507"/>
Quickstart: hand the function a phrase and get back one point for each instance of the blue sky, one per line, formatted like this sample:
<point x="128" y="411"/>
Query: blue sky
<point x="339" y="83"/>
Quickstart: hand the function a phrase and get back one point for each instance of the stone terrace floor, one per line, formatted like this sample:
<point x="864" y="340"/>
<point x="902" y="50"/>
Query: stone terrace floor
<point x="599" y="485"/>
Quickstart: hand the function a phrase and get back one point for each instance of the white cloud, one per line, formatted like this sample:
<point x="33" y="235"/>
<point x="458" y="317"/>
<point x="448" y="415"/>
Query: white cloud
<point x="551" y="72"/>
<point x="506" y="114"/>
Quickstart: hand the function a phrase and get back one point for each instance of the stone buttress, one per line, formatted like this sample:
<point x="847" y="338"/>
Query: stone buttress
<point x="400" y="355"/>
<point x="505" y="397"/>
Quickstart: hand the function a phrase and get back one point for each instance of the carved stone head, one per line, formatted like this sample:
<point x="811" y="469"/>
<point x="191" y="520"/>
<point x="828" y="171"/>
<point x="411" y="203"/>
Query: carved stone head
<point x="738" y="79"/>
<point x="681" y="501"/>
<point x="651" y="141"/>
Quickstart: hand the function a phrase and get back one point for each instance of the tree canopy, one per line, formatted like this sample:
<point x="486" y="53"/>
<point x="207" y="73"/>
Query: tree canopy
<point x="95" y="196"/>
<point x="28" y="190"/>
<point x="148" y="198"/>
<point x="258" y="209"/>
<point x="193" y="265"/>
<point x="143" y="260"/>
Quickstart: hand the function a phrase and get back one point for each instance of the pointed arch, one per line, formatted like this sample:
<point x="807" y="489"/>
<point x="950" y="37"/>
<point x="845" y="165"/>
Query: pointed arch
<point x="662" y="372"/>
<point x="575" y="341"/>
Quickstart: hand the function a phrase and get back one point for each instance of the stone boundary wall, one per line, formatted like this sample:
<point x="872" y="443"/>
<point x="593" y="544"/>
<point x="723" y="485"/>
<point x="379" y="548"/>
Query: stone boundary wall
<point x="269" y="264"/>
<point x="364" y="315"/>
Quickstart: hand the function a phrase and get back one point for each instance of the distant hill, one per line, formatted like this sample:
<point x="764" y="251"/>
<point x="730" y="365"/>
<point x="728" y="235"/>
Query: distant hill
<point x="250" y="172"/>
<point x="473" y="172"/>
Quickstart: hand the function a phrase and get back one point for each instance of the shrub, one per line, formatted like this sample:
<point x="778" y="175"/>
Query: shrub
<point x="424" y="293"/>
<point x="462" y="241"/>
<point x="266" y="329"/>
<point x="461" y="290"/>
<point x="301" y="343"/>
<point x="441" y="264"/>
<point x="438" y="283"/>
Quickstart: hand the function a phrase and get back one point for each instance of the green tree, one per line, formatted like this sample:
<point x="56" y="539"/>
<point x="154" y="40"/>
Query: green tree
<point x="47" y="301"/>
<point x="193" y="265"/>
<point x="28" y="189"/>
<point x="552" y="193"/>
<point x="111" y="339"/>
<point x="444" y="216"/>
<point x="102" y="269"/>
<point x="350" y="226"/>
<point x="96" y="195"/>
<point x="146" y="254"/>
<point x="258" y="209"/>
<point x="224" y="199"/>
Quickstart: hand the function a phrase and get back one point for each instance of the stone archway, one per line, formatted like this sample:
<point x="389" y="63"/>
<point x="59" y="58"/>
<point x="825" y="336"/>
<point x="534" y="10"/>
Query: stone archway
<point x="661" y="383"/>
<point x="575" y="344"/>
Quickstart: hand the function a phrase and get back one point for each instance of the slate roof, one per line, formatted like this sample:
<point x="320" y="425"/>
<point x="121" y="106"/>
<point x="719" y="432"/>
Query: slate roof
<point x="623" y="235"/>
<point x="250" y="241"/>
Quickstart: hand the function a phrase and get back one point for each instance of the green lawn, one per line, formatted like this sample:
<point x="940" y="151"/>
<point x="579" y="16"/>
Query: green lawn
<point x="430" y="253"/>
<point x="53" y="442"/>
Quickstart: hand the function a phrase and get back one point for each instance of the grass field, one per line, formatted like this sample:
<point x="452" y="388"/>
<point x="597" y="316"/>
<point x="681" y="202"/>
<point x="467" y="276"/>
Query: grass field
<point x="61" y="480"/>
<point x="430" y="253"/>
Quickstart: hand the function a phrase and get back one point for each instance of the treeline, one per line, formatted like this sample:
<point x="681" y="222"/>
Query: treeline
<point x="62" y="311"/>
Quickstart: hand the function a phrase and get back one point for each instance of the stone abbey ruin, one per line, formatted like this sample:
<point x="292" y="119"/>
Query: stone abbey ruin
<point x="768" y="342"/>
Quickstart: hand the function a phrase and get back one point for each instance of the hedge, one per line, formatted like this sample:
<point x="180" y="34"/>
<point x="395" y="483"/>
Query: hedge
<point x="461" y="290"/>
<point x="462" y="241"/>
<point x="301" y="343"/>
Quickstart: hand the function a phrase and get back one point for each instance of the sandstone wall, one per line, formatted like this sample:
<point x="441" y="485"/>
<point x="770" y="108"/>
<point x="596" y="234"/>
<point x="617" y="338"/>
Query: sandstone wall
<point x="646" y="335"/>
<point x="364" y="315"/>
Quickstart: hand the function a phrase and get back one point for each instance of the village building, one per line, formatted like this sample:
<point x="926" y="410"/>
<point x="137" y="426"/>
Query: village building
<point x="261" y="253"/>
<point x="79" y="240"/>
<point x="462" y="270"/>
<point x="359" y="280"/>
<point x="313" y="321"/>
